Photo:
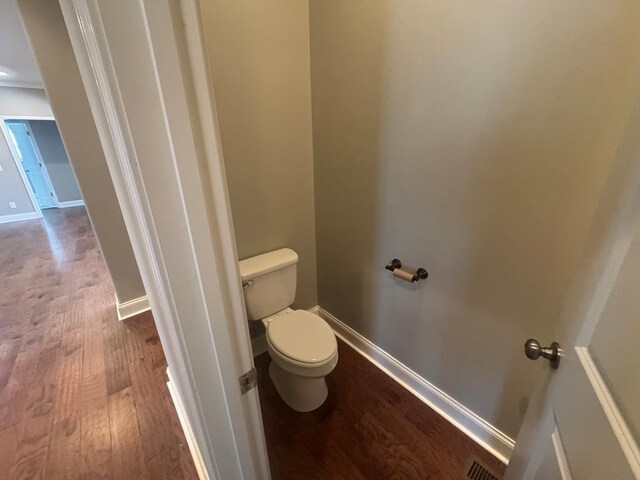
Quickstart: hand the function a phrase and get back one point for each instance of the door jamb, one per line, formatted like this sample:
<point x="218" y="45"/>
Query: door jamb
<point x="240" y="431"/>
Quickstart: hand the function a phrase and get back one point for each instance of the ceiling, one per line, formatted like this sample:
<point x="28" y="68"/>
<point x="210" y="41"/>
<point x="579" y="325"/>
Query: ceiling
<point x="16" y="58"/>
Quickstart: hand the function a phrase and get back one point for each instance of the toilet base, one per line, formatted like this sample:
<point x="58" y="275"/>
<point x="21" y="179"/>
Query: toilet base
<point x="303" y="394"/>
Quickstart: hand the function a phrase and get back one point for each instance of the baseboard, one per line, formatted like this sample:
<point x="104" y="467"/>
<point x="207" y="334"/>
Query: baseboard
<point x="132" y="308"/>
<point x="186" y="428"/>
<point x="17" y="217"/>
<point x="481" y="431"/>
<point x="71" y="203"/>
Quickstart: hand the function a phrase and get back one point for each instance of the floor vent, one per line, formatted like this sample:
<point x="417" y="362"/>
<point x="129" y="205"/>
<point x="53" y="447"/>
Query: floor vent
<point x="479" y="471"/>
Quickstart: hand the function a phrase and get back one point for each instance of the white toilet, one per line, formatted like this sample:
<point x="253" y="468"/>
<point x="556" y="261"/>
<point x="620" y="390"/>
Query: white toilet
<point x="302" y="346"/>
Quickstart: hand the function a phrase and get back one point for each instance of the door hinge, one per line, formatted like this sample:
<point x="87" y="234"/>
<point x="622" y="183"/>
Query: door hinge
<point x="248" y="381"/>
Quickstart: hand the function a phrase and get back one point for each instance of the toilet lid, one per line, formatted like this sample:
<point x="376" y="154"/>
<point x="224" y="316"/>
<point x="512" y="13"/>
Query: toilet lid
<point x="302" y="336"/>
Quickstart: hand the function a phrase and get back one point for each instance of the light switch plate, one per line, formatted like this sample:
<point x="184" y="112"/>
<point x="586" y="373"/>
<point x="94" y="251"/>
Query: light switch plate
<point x="12" y="204"/>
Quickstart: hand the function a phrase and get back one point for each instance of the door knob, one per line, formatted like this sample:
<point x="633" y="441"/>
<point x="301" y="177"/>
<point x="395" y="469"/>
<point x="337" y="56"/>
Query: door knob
<point x="533" y="350"/>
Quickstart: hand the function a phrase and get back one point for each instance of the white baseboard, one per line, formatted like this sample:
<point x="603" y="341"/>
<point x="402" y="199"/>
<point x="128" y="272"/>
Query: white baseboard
<point x="17" y="217"/>
<point x="71" y="203"/>
<point x="482" y="432"/>
<point x="132" y="307"/>
<point x="186" y="428"/>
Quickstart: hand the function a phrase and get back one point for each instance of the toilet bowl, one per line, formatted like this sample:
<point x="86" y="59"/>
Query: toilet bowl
<point x="303" y="350"/>
<point x="302" y="346"/>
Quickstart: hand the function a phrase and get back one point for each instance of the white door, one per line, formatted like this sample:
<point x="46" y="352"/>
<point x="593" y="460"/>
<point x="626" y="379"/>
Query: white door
<point x="584" y="423"/>
<point x="32" y="164"/>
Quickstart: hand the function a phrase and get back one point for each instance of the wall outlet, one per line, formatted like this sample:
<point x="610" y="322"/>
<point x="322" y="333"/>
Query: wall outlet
<point x="12" y="204"/>
<point x="1" y="169"/>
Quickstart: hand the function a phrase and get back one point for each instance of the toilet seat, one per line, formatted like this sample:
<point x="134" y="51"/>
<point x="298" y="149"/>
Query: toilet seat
<point x="302" y="337"/>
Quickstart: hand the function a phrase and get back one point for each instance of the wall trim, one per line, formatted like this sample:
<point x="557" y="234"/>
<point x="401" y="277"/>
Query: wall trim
<point x="17" y="217"/>
<point x="10" y="84"/>
<point x="201" y="467"/>
<point x="71" y="203"/>
<point x="481" y="431"/>
<point x="132" y="308"/>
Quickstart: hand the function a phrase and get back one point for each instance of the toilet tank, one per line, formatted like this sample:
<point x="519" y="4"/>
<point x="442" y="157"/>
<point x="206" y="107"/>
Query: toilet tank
<point x="269" y="282"/>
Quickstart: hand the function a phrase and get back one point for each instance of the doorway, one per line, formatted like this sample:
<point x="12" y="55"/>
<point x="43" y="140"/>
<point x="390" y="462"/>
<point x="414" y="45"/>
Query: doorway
<point x="31" y="162"/>
<point x="42" y="161"/>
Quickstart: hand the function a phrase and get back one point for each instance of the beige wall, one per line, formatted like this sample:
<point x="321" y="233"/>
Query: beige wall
<point x="24" y="102"/>
<point x="259" y="56"/>
<point x="475" y="139"/>
<point x="19" y="102"/>
<point x="48" y="36"/>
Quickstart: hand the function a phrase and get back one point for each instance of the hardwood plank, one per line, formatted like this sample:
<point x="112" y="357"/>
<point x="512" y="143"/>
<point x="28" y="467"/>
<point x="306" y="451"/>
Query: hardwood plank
<point x="126" y="441"/>
<point x="153" y="348"/>
<point x="14" y="394"/>
<point x="63" y="456"/>
<point x="95" y="440"/>
<point x="142" y="340"/>
<point x="134" y="331"/>
<point x="74" y="315"/>
<point x="154" y="421"/>
<point x="115" y="355"/>
<point x="72" y="342"/>
<point x="69" y="379"/>
<point x="8" y="353"/>
<point x="7" y="448"/>
<point x="393" y="456"/>
<point x="165" y="465"/>
<point x="93" y="343"/>
<point x="33" y="432"/>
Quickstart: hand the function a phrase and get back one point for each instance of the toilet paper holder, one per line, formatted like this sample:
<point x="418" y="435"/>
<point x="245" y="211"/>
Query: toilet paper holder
<point x="396" y="264"/>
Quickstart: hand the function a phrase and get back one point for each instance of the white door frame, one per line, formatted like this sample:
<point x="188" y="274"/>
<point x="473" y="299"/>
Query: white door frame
<point x="36" y="148"/>
<point x="186" y="253"/>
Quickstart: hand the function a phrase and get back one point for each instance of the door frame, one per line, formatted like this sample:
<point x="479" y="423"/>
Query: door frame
<point x="47" y="178"/>
<point x="226" y="426"/>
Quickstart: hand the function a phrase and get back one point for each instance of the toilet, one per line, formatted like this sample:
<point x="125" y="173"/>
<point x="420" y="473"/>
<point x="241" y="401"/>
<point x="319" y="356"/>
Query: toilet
<point x="302" y="346"/>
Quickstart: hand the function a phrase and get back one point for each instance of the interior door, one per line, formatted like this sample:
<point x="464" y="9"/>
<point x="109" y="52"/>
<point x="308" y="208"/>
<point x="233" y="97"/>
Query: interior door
<point x="32" y="164"/>
<point x="584" y="424"/>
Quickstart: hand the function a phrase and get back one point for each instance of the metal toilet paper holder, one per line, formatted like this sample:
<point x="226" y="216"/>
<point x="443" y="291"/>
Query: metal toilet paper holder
<point x="420" y="274"/>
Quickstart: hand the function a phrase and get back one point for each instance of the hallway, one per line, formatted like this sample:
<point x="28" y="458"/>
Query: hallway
<point x="82" y="395"/>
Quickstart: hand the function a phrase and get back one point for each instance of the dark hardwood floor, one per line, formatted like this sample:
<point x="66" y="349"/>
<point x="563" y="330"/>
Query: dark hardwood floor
<point x="82" y="395"/>
<point x="369" y="428"/>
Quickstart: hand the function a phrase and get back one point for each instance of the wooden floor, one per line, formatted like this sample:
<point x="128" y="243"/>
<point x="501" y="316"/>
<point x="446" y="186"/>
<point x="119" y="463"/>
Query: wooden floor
<point x="82" y="395"/>
<point x="369" y="428"/>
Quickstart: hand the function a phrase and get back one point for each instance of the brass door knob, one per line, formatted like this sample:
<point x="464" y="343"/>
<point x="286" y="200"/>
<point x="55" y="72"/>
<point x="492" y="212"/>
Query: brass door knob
<point x="533" y="350"/>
